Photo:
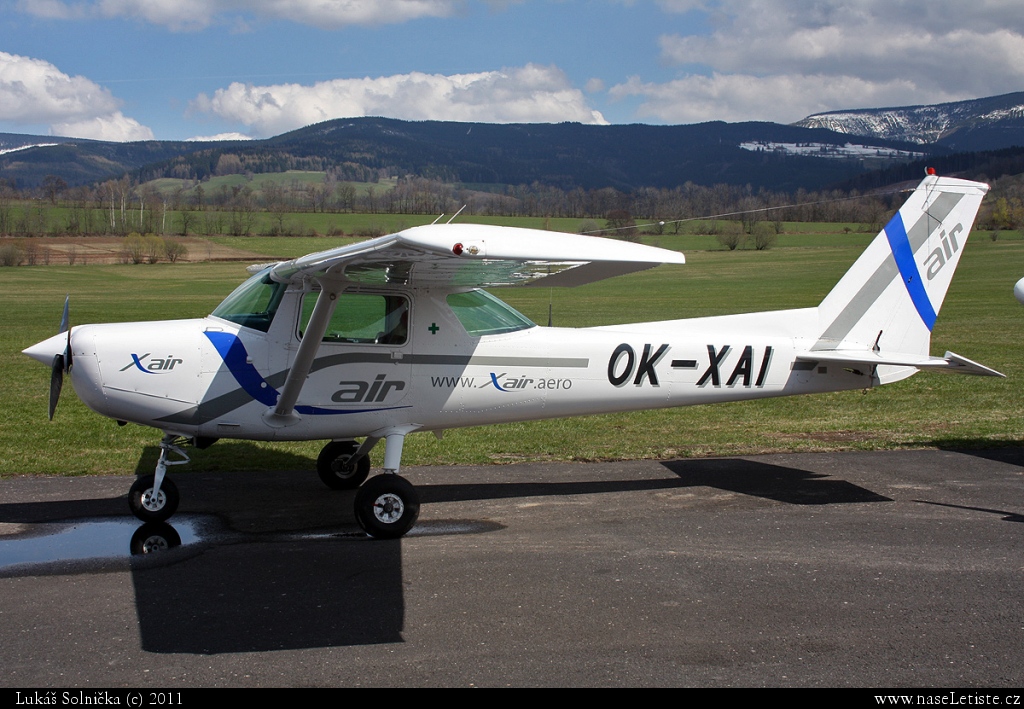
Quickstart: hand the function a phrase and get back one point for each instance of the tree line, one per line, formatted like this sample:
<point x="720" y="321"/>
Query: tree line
<point x="124" y="206"/>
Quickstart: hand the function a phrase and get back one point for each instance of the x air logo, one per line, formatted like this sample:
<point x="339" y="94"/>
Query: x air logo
<point x="503" y="382"/>
<point x="157" y="365"/>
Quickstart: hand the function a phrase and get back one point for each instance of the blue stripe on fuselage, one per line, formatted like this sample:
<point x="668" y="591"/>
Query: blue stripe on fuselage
<point x="236" y="358"/>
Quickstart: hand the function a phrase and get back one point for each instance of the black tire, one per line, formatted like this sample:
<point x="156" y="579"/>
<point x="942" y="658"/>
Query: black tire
<point x="334" y="469"/>
<point x="154" y="537"/>
<point x="387" y="506"/>
<point x="142" y="504"/>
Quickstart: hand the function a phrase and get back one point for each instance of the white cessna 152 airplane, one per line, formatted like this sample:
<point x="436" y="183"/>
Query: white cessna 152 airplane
<point x="392" y="335"/>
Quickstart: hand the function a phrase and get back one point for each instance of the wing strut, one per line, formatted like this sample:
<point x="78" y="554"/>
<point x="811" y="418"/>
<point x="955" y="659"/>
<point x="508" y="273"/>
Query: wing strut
<point x="283" y="413"/>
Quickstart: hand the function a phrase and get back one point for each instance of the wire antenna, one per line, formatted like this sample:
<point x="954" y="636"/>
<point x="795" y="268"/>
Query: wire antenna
<point x="455" y="215"/>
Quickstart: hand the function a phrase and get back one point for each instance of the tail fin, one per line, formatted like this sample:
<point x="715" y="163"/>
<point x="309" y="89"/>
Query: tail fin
<point x="888" y="300"/>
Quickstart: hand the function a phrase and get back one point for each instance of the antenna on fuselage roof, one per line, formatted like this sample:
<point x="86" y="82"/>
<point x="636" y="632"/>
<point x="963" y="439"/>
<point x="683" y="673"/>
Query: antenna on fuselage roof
<point x="437" y="220"/>
<point x="454" y="215"/>
<point x="551" y="298"/>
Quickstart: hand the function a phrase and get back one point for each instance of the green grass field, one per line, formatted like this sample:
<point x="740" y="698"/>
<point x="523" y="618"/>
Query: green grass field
<point x="980" y="320"/>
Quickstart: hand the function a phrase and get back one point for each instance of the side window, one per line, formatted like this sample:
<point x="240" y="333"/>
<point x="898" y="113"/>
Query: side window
<point x="482" y="314"/>
<point x="368" y="318"/>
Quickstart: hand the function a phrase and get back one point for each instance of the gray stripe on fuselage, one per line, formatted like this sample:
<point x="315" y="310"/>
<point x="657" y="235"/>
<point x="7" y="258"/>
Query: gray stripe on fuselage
<point x="885" y="273"/>
<point x="237" y="398"/>
<point x="441" y="360"/>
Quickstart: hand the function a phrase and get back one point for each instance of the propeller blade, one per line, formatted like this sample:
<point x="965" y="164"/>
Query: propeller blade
<point x="65" y="326"/>
<point x="56" y="382"/>
<point x="61" y="362"/>
<point x="67" y="353"/>
<point x="64" y="317"/>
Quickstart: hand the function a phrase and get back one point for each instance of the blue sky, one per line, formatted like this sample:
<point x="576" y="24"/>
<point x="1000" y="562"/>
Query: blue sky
<point x="180" y="69"/>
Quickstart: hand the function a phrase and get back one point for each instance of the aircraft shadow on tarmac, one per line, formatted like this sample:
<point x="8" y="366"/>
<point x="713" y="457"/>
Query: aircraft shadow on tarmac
<point x="291" y="571"/>
<point x="1006" y="515"/>
<point x="782" y="484"/>
<point x="302" y="594"/>
<point x="1009" y="451"/>
<point x="774" y="482"/>
<point x="275" y="596"/>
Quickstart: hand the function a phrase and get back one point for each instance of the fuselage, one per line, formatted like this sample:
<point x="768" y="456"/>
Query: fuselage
<point x="440" y="364"/>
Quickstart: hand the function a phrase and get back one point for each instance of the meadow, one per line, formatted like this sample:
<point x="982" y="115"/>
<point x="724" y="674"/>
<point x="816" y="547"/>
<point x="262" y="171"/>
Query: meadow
<point x="979" y="320"/>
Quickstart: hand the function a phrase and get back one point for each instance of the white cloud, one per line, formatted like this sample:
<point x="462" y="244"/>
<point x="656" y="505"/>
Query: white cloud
<point x="33" y="91"/>
<point x="113" y="127"/>
<point x="683" y="5"/>
<point x="184" y="15"/>
<point x="782" y="98"/>
<point x="529" y="94"/>
<point x="783" y="60"/>
<point x="219" y="136"/>
<point x="52" y="9"/>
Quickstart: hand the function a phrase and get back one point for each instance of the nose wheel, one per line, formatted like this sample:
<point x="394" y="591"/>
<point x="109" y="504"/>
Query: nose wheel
<point x="387" y="506"/>
<point x="151" y="504"/>
<point x="154" y="498"/>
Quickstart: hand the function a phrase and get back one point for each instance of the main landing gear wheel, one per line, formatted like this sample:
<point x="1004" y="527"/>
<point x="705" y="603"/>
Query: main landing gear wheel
<point x="387" y="506"/>
<point x="334" y="465"/>
<point x="149" y="507"/>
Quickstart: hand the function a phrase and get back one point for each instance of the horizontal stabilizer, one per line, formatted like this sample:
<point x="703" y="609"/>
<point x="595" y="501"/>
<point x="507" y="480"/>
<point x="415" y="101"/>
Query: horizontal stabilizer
<point x="950" y="363"/>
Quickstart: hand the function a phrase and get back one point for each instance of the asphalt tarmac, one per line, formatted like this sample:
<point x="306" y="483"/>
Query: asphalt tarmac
<point x="880" y="569"/>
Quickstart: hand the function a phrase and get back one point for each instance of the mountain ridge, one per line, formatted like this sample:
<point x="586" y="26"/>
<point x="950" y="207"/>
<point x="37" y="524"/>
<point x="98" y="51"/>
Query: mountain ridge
<point x="565" y="155"/>
<point x="818" y="152"/>
<point x="987" y="123"/>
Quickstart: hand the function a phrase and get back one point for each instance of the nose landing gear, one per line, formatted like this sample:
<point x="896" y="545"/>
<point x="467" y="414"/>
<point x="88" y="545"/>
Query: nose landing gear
<point x="154" y="498"/>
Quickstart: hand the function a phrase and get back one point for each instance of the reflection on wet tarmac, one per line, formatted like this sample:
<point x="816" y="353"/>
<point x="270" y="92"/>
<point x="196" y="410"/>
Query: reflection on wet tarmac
<point x="97" y="541"/>
<point x="103" y="538"/>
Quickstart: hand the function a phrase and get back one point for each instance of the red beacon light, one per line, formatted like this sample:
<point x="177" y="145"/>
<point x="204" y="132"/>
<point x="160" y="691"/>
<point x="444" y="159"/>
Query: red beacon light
<point x="457" y="249"/>
<point x="931" y="171"/>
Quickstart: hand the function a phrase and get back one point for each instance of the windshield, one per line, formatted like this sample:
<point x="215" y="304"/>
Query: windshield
<point x="253" y="303"/>
<point x="483" y="314"/>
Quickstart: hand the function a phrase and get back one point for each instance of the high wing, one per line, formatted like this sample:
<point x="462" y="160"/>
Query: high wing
<point x="472" y="255"/>
<point x="454" y="256"/>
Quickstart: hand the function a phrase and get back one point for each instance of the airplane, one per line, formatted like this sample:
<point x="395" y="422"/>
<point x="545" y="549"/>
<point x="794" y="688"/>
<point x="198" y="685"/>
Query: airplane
<point x="386" y="337"/>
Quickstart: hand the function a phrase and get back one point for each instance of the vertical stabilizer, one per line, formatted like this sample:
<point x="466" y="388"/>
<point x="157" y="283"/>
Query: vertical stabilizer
<point x="890" y="297"/>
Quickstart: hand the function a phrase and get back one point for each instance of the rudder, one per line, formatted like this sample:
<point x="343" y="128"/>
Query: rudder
<point x="889" y="299"/>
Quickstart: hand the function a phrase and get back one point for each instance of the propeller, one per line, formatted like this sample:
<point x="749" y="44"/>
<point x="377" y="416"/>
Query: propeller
<point x="61" y="362"/>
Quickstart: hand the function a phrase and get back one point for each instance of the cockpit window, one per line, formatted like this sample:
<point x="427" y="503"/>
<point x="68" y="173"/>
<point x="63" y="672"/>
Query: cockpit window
<point x="368" y="318"/>
<point x="483" y="314"/>
<point x="253" y="303"/>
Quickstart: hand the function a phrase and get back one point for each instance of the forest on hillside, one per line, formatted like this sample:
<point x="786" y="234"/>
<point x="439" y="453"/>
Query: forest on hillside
<point x="248" y="204"/>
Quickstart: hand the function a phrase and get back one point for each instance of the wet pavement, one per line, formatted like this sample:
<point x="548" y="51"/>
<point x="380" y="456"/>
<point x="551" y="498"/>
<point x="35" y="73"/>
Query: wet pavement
<point x="894" y="568"/>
